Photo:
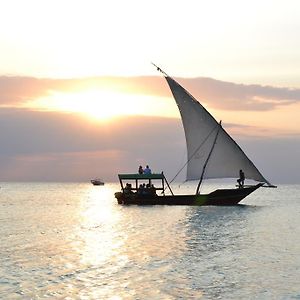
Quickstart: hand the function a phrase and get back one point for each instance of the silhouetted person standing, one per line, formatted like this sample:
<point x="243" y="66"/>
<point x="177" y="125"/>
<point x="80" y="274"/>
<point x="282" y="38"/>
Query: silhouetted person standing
<point x="241" y="180"/>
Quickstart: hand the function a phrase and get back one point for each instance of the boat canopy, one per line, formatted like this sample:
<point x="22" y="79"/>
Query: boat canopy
<point x="141" y="176"/>
<point x="148" y="177"/>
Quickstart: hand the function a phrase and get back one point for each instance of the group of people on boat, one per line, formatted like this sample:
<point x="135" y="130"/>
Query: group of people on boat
<point x="147" y="170"/>
<point x="144" y="189"/>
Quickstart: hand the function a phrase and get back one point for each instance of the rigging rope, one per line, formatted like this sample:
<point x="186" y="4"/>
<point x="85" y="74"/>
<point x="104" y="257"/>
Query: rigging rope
<point x="194" y="153"/>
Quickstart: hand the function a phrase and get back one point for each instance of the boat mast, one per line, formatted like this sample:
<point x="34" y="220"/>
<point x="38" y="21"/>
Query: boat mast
<point x="160" y="70"/>
<point x="208" y="157"/>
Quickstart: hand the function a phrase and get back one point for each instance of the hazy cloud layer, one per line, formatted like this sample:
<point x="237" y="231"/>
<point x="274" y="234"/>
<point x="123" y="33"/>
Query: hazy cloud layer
<point x="51" y="146"/>
<point x="232" y="96"/>
<point x="66" y="147"/>
<point x="48" y="145"/>
<point x="219" y="94"/>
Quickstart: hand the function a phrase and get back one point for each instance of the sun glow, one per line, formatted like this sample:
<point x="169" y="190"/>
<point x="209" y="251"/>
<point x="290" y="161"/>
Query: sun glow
<point x="104" y="105"/>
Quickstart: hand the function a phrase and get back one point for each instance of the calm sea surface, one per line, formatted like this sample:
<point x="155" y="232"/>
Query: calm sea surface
<point x="73" y="241"/>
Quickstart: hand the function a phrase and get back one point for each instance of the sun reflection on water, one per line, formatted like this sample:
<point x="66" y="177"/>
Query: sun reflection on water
<point x="121" y="242"/>
<point x="73" y="241"/>
<point x="98" y="227"/>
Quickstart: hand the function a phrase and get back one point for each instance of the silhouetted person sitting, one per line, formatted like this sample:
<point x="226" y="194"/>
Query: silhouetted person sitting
<point x="152" y="190"/>
<point x="128" y="189"/>
<point x="147" y="170"/>
<point x="141" y="189"/>
<point x="141" y="171"/>
<point x="241" y="180"/>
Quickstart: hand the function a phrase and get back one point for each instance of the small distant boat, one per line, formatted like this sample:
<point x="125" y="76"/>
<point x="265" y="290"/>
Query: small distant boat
<point x="211" y="153"/>
<point x="97" y="181"/>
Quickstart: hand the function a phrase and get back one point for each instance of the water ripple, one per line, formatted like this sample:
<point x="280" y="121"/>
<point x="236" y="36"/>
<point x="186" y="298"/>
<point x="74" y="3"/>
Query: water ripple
<point x="72" y="241"/>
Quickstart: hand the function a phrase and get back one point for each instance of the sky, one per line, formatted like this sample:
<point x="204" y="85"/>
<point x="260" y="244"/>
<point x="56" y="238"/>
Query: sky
<point x="79" y="97"/>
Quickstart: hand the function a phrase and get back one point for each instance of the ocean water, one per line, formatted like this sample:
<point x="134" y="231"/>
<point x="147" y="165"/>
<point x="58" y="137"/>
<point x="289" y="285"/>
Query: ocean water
<point x="73" y="241"/>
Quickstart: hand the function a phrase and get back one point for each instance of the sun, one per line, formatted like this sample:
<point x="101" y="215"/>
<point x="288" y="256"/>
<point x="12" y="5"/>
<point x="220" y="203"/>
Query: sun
<point x="97" y="104"/>
<point x="103" y="105"/>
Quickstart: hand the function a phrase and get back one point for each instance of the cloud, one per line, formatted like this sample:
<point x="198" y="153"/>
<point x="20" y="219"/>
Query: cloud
<point x="67" y="147"/>
<point x="232" y="96"/>
<point x="52" y="146"/>
<point x="277" y="158"/>
<point x="31" y="132"/>
<point x="61" y="166"/>
<point x="15" y="90"/>
<point x="218" y="94"/>
<point x="59" y="146"/>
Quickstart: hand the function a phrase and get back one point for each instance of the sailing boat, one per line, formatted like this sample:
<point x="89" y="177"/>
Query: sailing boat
<point x="211" y="154"/>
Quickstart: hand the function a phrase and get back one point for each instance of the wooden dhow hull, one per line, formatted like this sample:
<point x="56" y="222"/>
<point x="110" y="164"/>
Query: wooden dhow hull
<point x="218" y="197"/>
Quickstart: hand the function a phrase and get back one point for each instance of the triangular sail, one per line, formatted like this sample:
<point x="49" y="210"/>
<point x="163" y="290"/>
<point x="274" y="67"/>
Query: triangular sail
<point x="200" y="129"/>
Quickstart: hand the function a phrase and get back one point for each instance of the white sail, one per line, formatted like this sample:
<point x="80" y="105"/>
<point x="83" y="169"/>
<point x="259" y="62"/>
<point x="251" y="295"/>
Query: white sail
<point x="203" y="133"/>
